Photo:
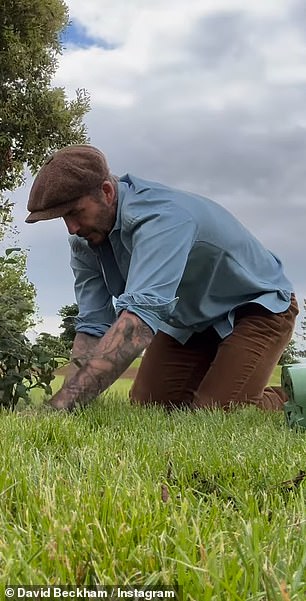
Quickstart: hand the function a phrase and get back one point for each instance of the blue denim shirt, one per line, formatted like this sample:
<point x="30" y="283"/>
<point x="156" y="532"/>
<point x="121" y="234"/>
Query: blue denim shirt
<point x="179" y="261"/>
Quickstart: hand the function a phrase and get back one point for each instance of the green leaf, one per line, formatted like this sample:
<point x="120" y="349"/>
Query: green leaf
<point x="11" y="261"/>
<point x="9" y="251"/>
<point x="21" y="391"/>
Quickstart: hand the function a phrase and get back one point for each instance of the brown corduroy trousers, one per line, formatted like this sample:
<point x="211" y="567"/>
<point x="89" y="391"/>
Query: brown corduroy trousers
<point x="209" y="372"/>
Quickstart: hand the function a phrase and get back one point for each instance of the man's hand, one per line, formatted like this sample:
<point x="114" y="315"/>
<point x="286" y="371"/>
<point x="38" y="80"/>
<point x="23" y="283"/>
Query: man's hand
<point x="113" y="354"/>
<point x="62" y="401"/>
<point x="84" y="347"/>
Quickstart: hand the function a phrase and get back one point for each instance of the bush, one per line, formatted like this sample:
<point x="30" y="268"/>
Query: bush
<point x="23" y="366"/>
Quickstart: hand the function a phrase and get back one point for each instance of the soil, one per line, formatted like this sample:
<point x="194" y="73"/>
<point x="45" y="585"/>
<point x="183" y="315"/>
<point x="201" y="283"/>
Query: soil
<point x="130" y="373"/>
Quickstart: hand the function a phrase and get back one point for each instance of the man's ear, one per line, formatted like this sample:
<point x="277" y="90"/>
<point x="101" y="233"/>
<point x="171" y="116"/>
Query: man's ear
<point x="109" y="191"/>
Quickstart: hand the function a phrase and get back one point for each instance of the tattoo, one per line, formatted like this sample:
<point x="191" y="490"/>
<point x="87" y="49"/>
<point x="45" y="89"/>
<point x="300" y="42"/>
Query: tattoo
<point x="105" y="359"/>
<point x="84" y="346"/>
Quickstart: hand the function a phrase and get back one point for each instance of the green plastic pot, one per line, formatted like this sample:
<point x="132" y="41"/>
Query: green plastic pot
<point x="293" y="380"/>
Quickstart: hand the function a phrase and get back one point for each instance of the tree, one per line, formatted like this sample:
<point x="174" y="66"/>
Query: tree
<point x="35" y="118"/>
<point x="17" y="294"/>
<point x="52" y="345"/>
<point x="290" y="354"/>
<point x="22" y="365"/>
<point x="68" y="313"/>
<point x="303" y="322"/>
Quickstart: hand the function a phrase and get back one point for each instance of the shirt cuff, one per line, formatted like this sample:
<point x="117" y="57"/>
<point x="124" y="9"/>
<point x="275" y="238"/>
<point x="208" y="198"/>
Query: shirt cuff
<point x="87" y="327"/>
<point x="151" y="310"/>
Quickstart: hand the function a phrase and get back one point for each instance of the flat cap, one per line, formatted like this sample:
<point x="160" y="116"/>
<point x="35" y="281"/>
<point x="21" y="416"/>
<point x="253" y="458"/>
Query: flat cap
<point x="66" y="175"/>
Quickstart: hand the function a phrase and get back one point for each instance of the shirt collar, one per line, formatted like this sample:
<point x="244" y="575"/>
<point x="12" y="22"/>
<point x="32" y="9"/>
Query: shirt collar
<point x="122" y="188"/>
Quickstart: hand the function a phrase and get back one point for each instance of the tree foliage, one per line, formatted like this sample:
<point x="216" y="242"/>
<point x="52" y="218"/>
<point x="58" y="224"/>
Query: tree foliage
<point x="17" y="294"/>
<point x="290" y="355"/>
<point x="35" y="118"/>
<point x="5" y="215"/>
<point x="68" y="313"/>
<point x="303" y="322"/>
<point x="60" y="346"/>
<point x="53" y="345"/>
<point x="22" y="366"/>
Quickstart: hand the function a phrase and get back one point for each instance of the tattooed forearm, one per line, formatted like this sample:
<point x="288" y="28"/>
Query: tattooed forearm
<point x="84" y="347"/>
<point x="111" y="356"/>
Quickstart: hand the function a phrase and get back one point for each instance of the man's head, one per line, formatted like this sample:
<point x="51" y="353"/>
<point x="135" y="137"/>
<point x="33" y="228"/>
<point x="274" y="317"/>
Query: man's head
<point x="75" y="183"/>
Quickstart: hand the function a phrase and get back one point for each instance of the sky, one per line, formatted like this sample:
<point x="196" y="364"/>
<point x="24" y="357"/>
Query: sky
<point x="205" y="95"/>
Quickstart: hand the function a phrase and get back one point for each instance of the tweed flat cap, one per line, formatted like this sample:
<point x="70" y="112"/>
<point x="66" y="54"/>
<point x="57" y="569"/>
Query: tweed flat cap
<point x="65" y="176"/>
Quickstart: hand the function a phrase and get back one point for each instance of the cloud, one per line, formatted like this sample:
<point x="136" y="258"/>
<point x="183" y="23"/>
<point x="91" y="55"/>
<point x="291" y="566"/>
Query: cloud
<point x="47" y="323"/>
<point x="48" y="257"/>
<point x="121" y="20"/>
<point x="224" y="91"/>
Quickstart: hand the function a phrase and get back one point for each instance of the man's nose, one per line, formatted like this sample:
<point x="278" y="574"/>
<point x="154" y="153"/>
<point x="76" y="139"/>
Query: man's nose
<point x="72" y="224"/>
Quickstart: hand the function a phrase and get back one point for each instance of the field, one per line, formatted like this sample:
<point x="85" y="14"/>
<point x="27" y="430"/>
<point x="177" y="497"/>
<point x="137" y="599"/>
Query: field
<point x="123" y="495"/>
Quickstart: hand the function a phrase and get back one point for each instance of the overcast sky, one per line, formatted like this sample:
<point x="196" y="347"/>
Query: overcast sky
<point x="206" y="95"/>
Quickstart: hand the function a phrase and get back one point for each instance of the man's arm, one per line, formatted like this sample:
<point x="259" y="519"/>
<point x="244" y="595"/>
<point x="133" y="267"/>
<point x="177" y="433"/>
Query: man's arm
<point x="84" y="347"/>
<point x="111" y="356"/>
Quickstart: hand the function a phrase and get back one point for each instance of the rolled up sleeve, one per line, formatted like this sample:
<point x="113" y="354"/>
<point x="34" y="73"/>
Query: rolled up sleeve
<point x="161" y="243"/>
<point x="96" y="309"/>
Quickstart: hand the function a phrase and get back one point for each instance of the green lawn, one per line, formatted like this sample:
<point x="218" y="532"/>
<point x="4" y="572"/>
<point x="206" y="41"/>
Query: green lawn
<point x="122" y="495"/>
<point x="275" y="379"/>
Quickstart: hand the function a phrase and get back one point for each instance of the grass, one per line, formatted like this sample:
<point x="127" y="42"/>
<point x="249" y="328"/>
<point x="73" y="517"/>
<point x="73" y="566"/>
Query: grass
<point x="122" y="386"/>
<point x="275" y="379"/>
<point x="123" y="495"/>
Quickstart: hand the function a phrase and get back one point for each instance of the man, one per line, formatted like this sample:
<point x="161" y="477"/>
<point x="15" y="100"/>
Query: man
<point x="210" y="304"/>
